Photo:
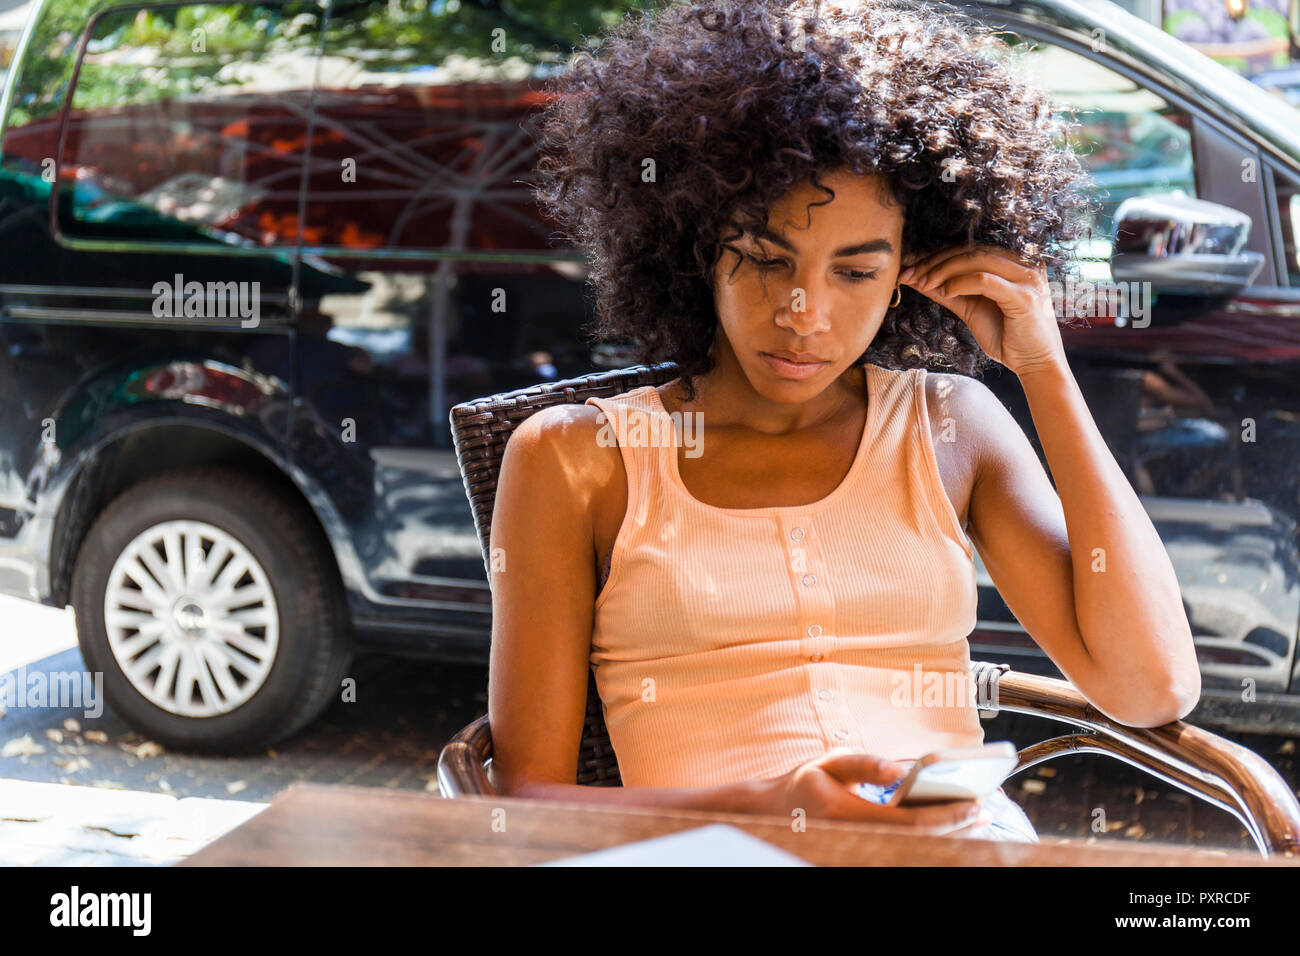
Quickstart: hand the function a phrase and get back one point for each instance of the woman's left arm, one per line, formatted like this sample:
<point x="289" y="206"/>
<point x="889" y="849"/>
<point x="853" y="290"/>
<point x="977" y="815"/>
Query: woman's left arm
<point x="1081" y="567"/>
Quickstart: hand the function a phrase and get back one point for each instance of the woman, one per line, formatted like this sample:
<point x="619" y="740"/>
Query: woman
<point x="807" y="207"/>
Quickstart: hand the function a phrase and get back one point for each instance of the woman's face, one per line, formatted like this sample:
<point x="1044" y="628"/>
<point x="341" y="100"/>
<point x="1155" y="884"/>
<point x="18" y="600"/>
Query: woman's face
<point x="820" y="291"/>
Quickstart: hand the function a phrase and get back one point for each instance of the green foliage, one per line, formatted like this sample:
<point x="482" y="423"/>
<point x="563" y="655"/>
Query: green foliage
<point x="43" y="75"/>
<point x="181" y="51"/>
<point x="386" y="35"/>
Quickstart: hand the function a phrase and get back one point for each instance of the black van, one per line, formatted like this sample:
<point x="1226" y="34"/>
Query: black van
<point x="251" y="254"/>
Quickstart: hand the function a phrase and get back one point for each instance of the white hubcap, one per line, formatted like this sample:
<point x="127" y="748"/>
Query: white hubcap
<point x="191" y="618"/>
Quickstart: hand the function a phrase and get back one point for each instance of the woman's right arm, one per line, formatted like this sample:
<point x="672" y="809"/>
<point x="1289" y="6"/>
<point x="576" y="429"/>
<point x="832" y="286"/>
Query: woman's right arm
<point x="543" y="595"/>
<point x="543" y="556"/>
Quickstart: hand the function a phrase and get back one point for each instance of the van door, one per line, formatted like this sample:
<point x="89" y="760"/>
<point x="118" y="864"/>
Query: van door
<point x="445" y="286"/>
<point x="1195" y="398"/>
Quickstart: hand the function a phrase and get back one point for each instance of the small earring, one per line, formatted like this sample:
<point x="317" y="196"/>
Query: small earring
<point x="898" y="296"/>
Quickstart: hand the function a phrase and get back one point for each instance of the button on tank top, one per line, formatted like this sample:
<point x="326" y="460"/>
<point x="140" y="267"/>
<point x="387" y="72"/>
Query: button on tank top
<point x="736" y="644"/>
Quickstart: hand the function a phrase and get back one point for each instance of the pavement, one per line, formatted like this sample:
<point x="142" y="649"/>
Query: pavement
<point x="51" y="824"/>
<point x="89" y="791"/>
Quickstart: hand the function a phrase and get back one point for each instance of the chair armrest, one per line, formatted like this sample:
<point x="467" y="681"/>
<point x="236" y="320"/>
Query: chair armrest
<point x="1224" y="773"/>
<point x="461" y="765"/>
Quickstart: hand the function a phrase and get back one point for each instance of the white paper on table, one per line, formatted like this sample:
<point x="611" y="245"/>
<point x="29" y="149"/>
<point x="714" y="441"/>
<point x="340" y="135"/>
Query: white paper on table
<point x="717" y="844"/>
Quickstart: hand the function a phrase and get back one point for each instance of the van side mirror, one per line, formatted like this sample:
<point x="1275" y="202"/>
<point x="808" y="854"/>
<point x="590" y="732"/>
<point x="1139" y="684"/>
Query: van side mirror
<point x="1183" y="245"/>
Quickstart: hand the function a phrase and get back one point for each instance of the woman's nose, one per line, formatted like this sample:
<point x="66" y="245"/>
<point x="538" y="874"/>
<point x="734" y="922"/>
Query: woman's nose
<point x="806" y="313"/>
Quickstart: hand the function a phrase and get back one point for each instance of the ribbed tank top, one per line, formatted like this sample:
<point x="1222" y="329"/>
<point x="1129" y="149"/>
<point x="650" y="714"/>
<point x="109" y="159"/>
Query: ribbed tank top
<point x="736" y="644"/>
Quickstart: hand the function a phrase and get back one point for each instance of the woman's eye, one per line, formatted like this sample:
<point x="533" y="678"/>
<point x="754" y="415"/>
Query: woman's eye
<point x="765" y="264"/>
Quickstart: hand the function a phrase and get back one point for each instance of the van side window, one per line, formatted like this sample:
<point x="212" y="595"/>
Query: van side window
<point x="425" y="134"/>
<point x="1287" y="188"/>
<point x="1131" y="140"/>
<point x="188" y="124"/>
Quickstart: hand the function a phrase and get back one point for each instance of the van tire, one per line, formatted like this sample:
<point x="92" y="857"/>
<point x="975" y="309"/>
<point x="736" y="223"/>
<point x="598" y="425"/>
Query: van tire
<point x="314" y="644"/>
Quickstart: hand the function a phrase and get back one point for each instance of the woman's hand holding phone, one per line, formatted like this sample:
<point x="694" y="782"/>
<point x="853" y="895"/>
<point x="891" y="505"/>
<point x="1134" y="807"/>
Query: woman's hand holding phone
<point x="824" y="788"/>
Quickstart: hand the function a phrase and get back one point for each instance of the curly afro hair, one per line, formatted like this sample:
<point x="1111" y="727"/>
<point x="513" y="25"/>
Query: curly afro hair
<point x="738" y="101"/>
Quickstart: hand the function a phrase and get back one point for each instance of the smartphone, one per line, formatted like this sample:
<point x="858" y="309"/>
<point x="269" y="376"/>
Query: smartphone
<point x="963" y="773"/>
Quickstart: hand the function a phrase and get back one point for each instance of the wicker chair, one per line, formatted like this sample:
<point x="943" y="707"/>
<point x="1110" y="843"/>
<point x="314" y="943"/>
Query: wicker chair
<point x="1216" y="770"/>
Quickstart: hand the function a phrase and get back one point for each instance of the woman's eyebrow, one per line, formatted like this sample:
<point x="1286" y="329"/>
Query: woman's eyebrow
<point x="872" y="245"/>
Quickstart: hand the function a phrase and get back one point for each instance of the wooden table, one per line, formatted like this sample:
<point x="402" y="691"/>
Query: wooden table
<point x="315" y="825"/>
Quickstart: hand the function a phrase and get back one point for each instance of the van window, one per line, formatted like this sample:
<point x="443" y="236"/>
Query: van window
<point x="188" y="124"/>
<point x="1287" y="188"/>
<point x="425" y="134"/>
<point x="1132" y="141"/>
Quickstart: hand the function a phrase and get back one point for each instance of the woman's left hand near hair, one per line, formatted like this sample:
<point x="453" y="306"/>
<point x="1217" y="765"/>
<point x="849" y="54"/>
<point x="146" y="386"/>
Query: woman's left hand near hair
<point x="1005" y="302"/>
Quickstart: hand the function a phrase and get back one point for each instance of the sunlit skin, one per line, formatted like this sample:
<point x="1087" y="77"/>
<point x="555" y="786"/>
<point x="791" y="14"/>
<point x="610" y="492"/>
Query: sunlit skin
<point x="1001" y="494"/>
<point x="844" y="295"/>
<point x="1119" y="635"/>
<point x="793" y="440"/>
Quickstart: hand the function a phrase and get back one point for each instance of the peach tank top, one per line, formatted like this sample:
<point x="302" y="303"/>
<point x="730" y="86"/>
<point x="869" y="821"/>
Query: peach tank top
<point x="735" y="644"/>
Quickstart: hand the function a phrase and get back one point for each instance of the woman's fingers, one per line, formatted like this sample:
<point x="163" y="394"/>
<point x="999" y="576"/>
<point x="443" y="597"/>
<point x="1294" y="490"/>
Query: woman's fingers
<point x="923" y="265"/>
<point x="937" y="268"/>
<point x="990" y="286"/>
<point x="938" y="818"/>
<point x="935" y="819"/>
<point x="842" y="801"/>
<point x="831" y="781"/>
<point x="850" y="768"/>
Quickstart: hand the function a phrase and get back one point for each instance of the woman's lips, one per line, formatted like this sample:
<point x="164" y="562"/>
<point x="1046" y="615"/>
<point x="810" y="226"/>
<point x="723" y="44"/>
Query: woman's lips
<point x="793" y="370"/>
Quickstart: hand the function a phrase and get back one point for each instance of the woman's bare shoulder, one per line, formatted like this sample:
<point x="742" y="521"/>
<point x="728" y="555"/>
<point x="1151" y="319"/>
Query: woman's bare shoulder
<point x="568" y="448"/>
<point x="969" y="420"/>
<point x="960" y="397"/>
<point x="958" y="411"/>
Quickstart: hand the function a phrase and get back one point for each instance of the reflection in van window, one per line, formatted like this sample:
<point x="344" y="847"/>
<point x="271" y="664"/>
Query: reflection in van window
<point x="1132" y="141"/>
<point x="188" y="124"/>
<point x="424" y="136"/>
